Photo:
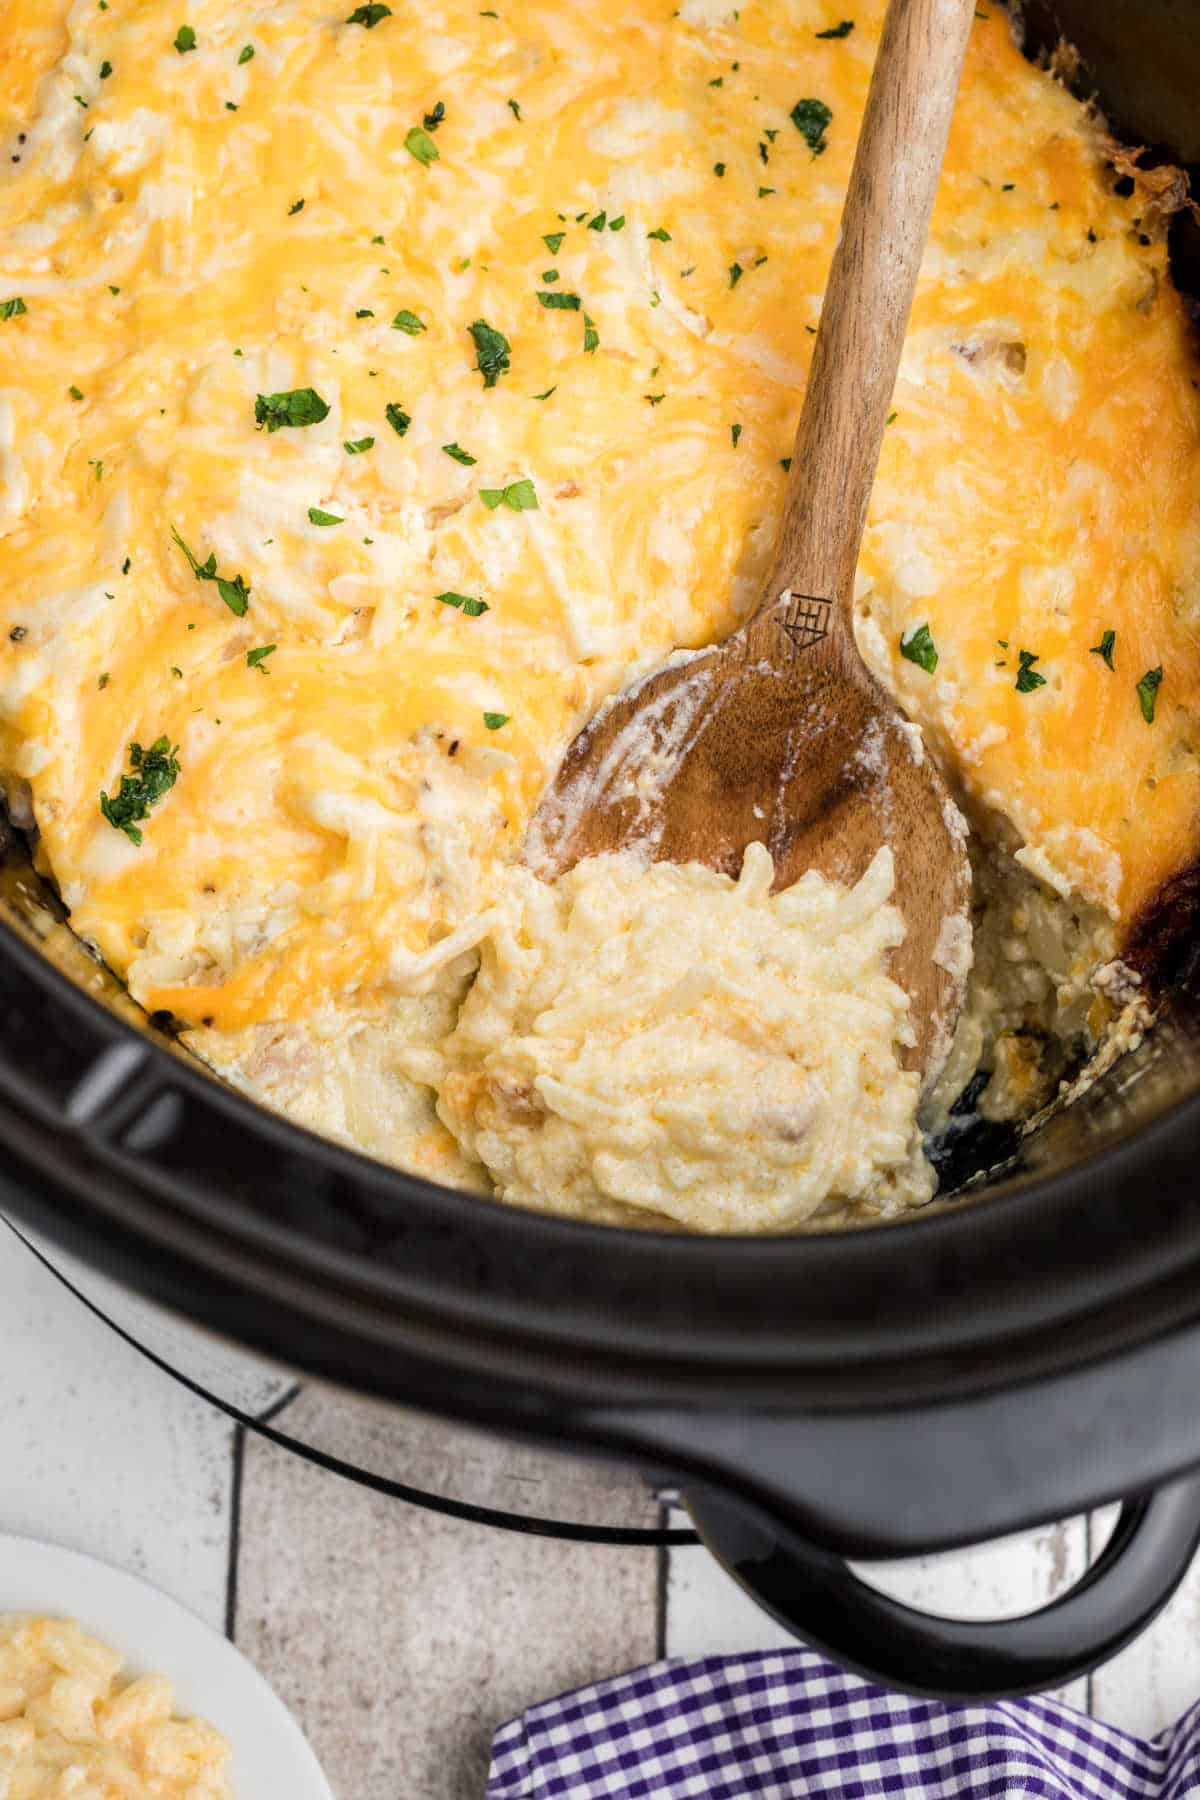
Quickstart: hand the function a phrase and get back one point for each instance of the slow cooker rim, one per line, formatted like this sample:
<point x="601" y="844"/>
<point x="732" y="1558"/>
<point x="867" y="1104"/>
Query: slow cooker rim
<point x="968" y="1246"/>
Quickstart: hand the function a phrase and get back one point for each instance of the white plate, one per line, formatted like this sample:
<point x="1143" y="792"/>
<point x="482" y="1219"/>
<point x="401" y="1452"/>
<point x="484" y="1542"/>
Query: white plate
<point x="271" y="1757"/>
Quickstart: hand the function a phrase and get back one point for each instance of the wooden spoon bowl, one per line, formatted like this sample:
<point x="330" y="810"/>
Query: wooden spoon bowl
<point x="782" y="734"/>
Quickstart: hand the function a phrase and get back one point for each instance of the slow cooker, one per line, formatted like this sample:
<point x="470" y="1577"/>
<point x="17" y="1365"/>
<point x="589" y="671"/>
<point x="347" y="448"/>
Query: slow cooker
<point x="1014" y="1359"/>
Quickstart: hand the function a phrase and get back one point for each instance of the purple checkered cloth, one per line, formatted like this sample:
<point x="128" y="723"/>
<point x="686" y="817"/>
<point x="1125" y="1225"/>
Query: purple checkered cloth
<point x="787" y="1723"/>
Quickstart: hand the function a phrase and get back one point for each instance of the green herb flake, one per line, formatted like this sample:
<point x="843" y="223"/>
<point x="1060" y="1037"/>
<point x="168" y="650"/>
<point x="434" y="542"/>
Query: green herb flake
<point x="246" y="55"/>
<point x="811" y="119"/>
<point x="918" y="647"/>
<point x="155" y="772"/>
<point x="357" y="446"/>
<point x="617" y="224"/>
<point x="295" y="409"/>
<point x="467" y="604"/>
<point x="432" y="120"/>
<point x="491" y="350"/>
<point x="1027" y="676"/>
<point x="317" y="517"/>
<point x="397" y="418"/>
<point x="548" y="392"/>
<point x="185" y="39"/>
<point x="1147" y="692"/>
<point x="519" y="496"/>
<point x="736" y="272"/>
<point x="660" y="235"/>
<point x="549" y="275"/>
<point x="102" y="682"/>
<point x="891" y="418"/>
<point x="105" y="70"/>
<point x="558" y="302"/>
<point x="364" y="312"/>
<point x="12" y="309"/>
<point x="591" y="337"/>
<point x="294" y="208"/>
<point x="838" y="31"/>
<point x="256" y="659"/>
<point x="409" y="322"/>
<point x="735" y="432"/>
<point x="515" y="110"/>
<point x="235" y="593"/>
<point x="75" y="393"/>
<point x="419" y="144"/>
<point x="369" y="15"/>
<point x="718" y="169"/>
<point x="460" y="455"/>
<point x="553" y="241"/>
<point x="494" y="721"/>
<point x="1105" y="648"/>
<point x="654" y="399"/>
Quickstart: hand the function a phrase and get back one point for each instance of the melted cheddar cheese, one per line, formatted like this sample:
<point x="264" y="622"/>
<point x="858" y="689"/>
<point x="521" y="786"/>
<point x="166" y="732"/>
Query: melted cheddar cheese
<point x="204" y="205"/>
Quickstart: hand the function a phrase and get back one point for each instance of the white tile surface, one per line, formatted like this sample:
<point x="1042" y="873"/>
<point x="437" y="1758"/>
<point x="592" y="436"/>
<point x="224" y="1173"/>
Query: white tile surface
<point x="102" y="1452"/>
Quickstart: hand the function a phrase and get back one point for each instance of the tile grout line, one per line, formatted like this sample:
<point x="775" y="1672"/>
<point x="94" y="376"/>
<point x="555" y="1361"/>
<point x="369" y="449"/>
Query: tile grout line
<point x="662" y="1584"/>
<point x="238" y="1462"/>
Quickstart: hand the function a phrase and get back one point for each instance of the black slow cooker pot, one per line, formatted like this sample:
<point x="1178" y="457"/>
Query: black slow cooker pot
<point x="918" y="1386"/>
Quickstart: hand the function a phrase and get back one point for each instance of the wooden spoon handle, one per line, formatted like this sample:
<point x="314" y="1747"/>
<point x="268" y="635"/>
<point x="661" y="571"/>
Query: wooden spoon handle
<point x="869" y="296"/>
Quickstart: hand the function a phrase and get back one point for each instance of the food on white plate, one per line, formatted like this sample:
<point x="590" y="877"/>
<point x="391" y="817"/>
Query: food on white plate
<point x="378" y="395"/>
<point x="71" y="1724"/>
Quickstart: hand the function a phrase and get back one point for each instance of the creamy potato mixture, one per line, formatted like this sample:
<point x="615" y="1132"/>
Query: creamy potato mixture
<point x="381" y="389"/>
<point x="70" y="1725"/>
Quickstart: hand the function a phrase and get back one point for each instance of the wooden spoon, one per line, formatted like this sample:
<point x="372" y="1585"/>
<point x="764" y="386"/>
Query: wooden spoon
<point x="782" y="734"/>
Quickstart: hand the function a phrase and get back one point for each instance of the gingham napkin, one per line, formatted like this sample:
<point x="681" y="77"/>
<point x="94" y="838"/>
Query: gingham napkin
<point x="787" y="1723"/>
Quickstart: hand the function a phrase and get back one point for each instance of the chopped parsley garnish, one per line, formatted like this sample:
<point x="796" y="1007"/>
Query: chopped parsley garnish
<point x="465" y="603"/>
<point x="255" y="659"/>
<point x="549" y="275"/>
<point x="811" y="119"/>
<point x="12" y="309"/>
<point x="154" y="773"/>
<point x="105" y="70"/>
<point x="617" y="224"/>
<point x="553" y="241"/>
<point x="515" y="110"/>
<point x="102" y="682"/>
<point x="1147" y="692"/>
<point x="75" y="393"/>
<point x="663" y="237"/>
<point x="736" y="272"/>
<point x="598" y="222"/>
<point x="397" y="418"/>
<point x="364" y="312"/>
<point x="919" y="648"/>
<point x="1027" y="676"/>
<point x="460" y="455"/>
<point x="518" y="495"/>
<point x="559" y="302"/>
<point x="591" y="337"/>
<point x="718" y="169"/>
<point x="298" y="407"/>
<point x="433" y="119"/>
<point x="491" y="351"/>
<point x="356" y="446"/>
<point x="418" y="143"/>
<point x="235" y="593"/>
<point x="369" y="15"/>
<point x="409" y="322"/>
<point x="548" y="392"/>
<point x="1105" y="648"/>
<point x="654" y="399"/>
<point x="838" y="31"/>
<point x="494" y="721"/>
<point x="317" y="517"/>
<point x="763" y="192"/>
<point x="185" y="39"/>
<point x="891" y="418"/>
<point x="247" y="54"/>
<point x="295" y="207"/>
<point x="735" y="432"/>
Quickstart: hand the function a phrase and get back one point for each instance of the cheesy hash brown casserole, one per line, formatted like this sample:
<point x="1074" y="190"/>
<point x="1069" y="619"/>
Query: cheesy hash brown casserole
<point x="381" y="388"/>
<point x="70" y="1725"/>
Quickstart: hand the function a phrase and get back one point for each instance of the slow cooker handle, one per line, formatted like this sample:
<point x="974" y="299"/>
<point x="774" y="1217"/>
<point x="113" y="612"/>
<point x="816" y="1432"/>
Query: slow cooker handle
<point x="817" y="1595"/>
